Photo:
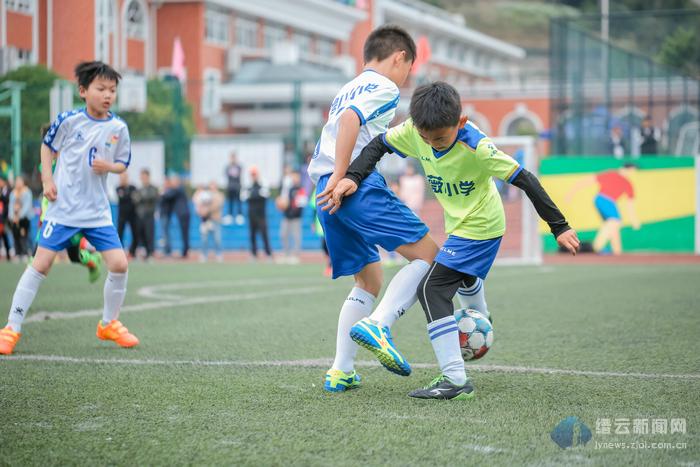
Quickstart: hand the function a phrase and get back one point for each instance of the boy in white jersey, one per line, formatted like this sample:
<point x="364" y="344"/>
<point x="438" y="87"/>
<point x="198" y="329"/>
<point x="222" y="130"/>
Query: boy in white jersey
<point x="363" y="109"/>
<point x="93" y="142"/>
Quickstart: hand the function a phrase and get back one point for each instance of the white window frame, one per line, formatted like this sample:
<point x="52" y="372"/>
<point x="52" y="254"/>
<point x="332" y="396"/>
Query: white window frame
<point x="325" y="48"/>
<point x="135" y="30"/>
<point x="104" y="26"/>
<point x="216" y="27"/>
<point x="273" y="33"/>
<point x="246" y="33"/>
<point x="27" y="7"/>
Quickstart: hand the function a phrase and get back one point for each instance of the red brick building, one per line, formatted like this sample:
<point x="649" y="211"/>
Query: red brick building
<point x="242" y="57"/>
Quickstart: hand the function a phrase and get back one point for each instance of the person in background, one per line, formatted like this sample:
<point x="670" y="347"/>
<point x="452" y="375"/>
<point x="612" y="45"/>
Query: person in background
<point x="127" y="212"/>
<point x="4" y="212"/>
<point x="256" y="196"/>
<point x="146" y="199"/>
<point x="412" y="189"/>
<point x="20" y="216"/>
<point x="292" y="206"/>
<point x="165" y="212"/>
<point x="175" y="201"/>
<point x="208" y="202"/>
<point x="618" y="147"/>
<point x="650" y="137"/>
<point x="233" y="191"/>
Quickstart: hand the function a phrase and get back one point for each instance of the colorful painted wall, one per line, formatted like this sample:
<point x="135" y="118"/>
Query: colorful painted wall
<point x="664" y="200"/>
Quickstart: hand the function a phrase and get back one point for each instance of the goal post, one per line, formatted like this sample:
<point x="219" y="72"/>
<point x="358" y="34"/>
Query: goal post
<point x="522" y="243"/>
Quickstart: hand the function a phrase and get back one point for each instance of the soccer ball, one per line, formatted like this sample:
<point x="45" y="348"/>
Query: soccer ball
<point x="475" y="333"/>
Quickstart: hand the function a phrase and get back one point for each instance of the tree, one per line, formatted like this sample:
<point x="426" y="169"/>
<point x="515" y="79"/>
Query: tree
<point x="681" y="50"/>
<point x="35" y="112"/>
<point x="167" y="117"/>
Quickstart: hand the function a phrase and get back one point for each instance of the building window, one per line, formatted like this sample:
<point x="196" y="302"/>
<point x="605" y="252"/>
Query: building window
<point x="216" y="27"/>
<point x="274" y="34"/>
<point x="303" y="41"/>
<point x="246" y="33"/>
<point x="135" y="20"/>
<point x="103" y="28"/>
<point x="211" y="100"/>
<point x="325" y="48"/>
<point x="20" y="6"/>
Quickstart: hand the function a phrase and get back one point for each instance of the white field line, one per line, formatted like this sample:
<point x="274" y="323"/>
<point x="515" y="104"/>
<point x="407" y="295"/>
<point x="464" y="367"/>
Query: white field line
<point x="326" y="362"/>
<point x="169" y="300"/>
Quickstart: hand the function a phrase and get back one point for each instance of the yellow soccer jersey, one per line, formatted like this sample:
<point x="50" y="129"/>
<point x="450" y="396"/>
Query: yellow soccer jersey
<point x="461" y="178"/>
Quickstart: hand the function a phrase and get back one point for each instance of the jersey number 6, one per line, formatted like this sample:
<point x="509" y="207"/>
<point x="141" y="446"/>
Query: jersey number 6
<point x="91" y="155"/>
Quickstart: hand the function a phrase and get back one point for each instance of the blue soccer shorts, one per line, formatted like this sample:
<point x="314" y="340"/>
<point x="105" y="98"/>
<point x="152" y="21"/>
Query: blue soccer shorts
<point x="371" y="216"/>
<point x="57" y="237"/>
<point x="473" y="257"/>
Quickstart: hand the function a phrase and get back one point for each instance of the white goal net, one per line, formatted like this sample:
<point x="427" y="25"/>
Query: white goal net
<point x="522" y="243"/>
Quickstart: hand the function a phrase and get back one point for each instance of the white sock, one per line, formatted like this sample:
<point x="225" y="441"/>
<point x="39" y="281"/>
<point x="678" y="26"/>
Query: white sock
<point x="444" y="337"/>
<point x="400" y="295"/>
<point x="26" y="290"/>
<point x="473" y="297"/>
<point x="114" y="293"/>
<point x="358" y="305"/>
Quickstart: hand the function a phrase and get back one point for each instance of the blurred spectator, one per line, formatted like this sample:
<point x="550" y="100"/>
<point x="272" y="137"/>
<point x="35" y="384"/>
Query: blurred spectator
<point x="256" y="196"/>
<point x="4" y="211"/>
<point x="618" y="148"/>
<point x="650" y="137"/>
<point x="20" y="216"/>
<point x="412" y="189"/>
<point x="287" y="182"/>
<point x="292" y="206"/>
<point x="127" y="211"/>
<point x="165" y="211"/>
<point x="146" y="199"/>
<point x="208" y="202"/>
<point x="233" y="191"/>
<point x="174" y="201"/>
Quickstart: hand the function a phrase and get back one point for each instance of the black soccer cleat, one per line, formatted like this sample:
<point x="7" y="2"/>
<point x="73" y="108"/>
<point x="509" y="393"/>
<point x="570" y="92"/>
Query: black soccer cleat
<point x="443" y="389"/>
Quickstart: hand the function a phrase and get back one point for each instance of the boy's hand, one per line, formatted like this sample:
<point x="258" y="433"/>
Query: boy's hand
<point x="49" y="189"/>
<point x="345" y="187"/>
<point x="101" y="166"/>
<point x="325" y="196"/>
<point x="569" y="240"/>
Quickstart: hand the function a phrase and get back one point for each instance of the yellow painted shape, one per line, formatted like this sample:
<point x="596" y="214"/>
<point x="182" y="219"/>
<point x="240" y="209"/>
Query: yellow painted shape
<point x="660" y="194"/>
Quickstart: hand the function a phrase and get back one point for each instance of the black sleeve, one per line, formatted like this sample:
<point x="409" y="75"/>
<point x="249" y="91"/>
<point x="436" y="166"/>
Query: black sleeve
<point x="544" y="205"/>
<point x="364" y="164"/>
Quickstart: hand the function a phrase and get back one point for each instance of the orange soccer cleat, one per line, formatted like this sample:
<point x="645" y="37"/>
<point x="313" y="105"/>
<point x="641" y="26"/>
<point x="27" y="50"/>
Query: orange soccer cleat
<point x="8" y="340"/>
<point x="117" y="332"/>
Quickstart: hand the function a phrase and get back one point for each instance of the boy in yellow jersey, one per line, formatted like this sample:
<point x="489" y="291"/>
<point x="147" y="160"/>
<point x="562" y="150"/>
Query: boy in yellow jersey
<point x="459" y="162"/>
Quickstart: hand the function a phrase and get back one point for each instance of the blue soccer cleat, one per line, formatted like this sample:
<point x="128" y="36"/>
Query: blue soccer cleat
<point x="339" y="381"/>
<point x="377" y="340"/>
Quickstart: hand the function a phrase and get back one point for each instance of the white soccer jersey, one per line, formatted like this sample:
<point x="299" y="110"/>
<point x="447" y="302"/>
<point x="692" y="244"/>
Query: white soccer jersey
<point x="81" y="193"/>
<point x="374" y="98"/>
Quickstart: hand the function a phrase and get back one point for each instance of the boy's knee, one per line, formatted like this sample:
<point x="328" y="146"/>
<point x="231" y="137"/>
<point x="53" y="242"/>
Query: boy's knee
<point x="41" y="267"/>
<point x="120" y="266"/>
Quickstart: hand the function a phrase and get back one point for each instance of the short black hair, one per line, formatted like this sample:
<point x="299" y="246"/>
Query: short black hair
<point x="386" y="40"/>
<point x="45" y="129"/>
<point x="435" y="105"/>
<point x="86" y="72"/>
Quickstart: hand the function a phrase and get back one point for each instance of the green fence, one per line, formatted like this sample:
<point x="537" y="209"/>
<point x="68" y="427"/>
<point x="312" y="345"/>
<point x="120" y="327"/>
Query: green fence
<point x="648" y="66"/>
